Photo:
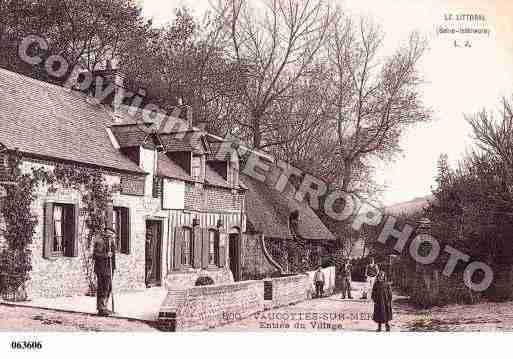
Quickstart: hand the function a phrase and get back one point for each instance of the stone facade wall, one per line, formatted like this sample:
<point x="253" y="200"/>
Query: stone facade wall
<point x="67" y="276"/>
<point x="199" y="197"/>
<point x="288" y="290"/>
<point x="223" y="199"/>
<point x="206" y="307"/>
<point x="194" y="200"/>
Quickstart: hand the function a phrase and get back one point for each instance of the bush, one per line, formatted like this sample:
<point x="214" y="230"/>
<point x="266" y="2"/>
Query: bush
<point x="204" y="280"/>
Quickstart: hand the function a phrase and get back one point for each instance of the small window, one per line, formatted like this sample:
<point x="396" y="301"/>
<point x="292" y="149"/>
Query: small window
<point x="58" y="224"/>
<point x="63" y="229"/>
<point x="196" y="168"/>
<point x="158" y="184"/>
<point x="213" y="248"/>
<point x="121" y="224"/>
<point x="187" y="248"/>
<point x="235" y="178"/>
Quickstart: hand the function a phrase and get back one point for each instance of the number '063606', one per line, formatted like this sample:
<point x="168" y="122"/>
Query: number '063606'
<point x="26" y="345"/>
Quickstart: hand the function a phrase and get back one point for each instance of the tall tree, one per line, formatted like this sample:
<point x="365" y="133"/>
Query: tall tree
<point x="187" y="62"/>
<point x="85" y="32"/>
<point x="374" y="98"/>
<point x="274" y="44"/>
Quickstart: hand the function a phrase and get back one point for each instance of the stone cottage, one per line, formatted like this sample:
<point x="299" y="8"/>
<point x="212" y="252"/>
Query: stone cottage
<point x="179" y="211"/>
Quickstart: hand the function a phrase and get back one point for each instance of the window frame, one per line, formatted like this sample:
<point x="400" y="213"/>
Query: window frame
<point x="187" y="243"/>
<point x="119" y="223"/>
<point x="67" y="229"/>
<point x="58" y="252"/>
<point x="213" y="247"/>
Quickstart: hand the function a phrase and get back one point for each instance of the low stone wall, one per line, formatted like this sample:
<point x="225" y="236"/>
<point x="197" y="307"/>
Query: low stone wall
<point x="286" y="290"/>
<point x="186" y="278"/>
<point x="206" y="307"/>
<point x="329" y="281"/>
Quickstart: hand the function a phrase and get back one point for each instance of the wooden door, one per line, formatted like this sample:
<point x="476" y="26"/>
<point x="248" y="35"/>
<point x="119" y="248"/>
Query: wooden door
<point x="234" y="256"/>
<point x="153" y="252"/>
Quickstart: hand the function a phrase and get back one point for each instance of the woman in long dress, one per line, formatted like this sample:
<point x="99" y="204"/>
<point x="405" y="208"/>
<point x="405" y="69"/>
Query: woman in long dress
<point x="382" y="297"/>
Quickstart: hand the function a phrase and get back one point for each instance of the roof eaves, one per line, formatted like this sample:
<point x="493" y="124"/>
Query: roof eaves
<point x="139" y="172"/>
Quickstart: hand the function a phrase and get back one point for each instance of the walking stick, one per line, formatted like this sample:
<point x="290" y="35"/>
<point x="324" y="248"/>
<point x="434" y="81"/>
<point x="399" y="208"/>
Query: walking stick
<point x="111" y="280"/>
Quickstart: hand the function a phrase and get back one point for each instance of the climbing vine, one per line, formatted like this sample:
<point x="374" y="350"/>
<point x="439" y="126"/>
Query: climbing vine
<point x="20" y="223"/>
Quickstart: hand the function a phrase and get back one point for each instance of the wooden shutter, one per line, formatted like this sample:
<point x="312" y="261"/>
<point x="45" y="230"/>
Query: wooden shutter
<point x="178" y="248"/>
<point x="205" y="248"/>
<point x="125" y="230"/>
<point x="109" y="214"/>
<point x="223" y="242"/>
<point x="197" y="247"/>
<point x="71" y="232"/>
<point x="48" y="230"/>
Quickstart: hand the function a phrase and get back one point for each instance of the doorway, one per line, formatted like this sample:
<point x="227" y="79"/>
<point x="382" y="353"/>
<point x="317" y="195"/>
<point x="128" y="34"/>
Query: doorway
<point x="234" y="255"/>
<point x="153" y="253"/>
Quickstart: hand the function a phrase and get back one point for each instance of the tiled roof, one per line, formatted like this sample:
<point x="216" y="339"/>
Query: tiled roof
<point x="166" y="167"/>
<point x="47" y="120"/>
<point x="129" y="135"/>
<point x="217" y="155"/>
<point x="268" y="211"/>
<point x="179" y="143"/>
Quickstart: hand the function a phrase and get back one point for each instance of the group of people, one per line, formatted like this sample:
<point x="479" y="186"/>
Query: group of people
<point x="376" y="283"/>
<point x="104" y="255"/>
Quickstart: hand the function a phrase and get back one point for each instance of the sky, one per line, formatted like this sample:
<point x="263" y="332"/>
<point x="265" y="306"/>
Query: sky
<point x="459" y="80"/>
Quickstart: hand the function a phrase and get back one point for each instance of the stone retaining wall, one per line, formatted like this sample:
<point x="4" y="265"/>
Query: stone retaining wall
<point x="186" y="278"/>
<point x="200" y="308"/>
<point x="287" y="290"/>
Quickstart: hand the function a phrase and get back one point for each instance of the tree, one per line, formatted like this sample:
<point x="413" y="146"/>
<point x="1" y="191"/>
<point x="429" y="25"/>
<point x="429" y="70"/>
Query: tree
<point x="187" y="62"/>
<point x="85" y="32"/>
<point x="274" y="45"/>
<point x="495" y="137"/>
<point x="373" y="98"/>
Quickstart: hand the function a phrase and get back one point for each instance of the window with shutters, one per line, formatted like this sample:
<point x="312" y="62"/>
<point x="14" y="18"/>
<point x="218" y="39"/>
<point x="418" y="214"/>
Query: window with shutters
<point x="187" y="247"/>
<point x="62" y="236"/>
<point x="121" y="224"/>
<point x="213" y="248"/>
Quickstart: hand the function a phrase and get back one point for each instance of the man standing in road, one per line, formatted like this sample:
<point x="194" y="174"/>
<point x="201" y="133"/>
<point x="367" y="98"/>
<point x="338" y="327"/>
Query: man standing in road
<point x="371" y="273"/>
<point x="346" y="280"/>
<point x="104" y="256"/>
<point x="319" y="282"/>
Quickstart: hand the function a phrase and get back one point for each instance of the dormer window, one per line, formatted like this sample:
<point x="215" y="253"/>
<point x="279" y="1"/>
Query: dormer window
<point x="196" y="168"/>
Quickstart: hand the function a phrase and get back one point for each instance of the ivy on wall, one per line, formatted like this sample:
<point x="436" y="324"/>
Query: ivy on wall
<point x="15" y="257"/>
<point x="20" y="223"/>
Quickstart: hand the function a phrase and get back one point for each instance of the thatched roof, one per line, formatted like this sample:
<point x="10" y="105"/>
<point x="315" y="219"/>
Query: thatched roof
<point x="268" y="210"/>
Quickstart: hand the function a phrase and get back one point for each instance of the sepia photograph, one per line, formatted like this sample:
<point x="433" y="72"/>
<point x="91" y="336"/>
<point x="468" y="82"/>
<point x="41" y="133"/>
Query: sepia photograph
<point x="322" y="168"/>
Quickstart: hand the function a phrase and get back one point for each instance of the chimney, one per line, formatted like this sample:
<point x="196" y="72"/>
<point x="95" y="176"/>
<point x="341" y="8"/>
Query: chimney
<point x="185" y="112"/>
<point x="111" y="76"/>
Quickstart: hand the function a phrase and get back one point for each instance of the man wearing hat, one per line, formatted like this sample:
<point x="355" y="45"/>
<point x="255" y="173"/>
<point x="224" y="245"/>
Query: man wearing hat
<point x="104" y="255"/>
<point x="319" y="282"/>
